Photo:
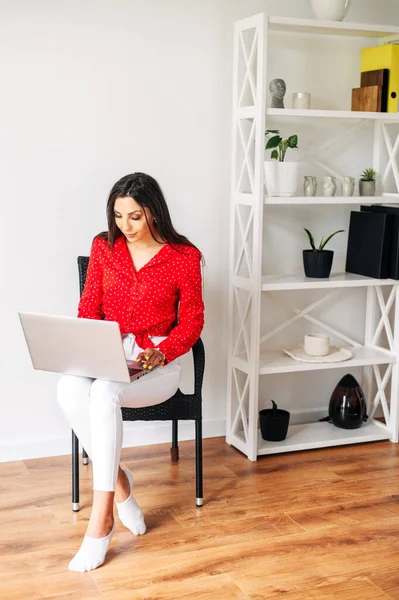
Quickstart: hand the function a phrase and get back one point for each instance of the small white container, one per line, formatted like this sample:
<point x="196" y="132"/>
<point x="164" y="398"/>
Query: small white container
<point x="316" y="344"/>
<point x="301" y="100"/>
<point x="281" y="178"/>
<point x="330" y="10"/>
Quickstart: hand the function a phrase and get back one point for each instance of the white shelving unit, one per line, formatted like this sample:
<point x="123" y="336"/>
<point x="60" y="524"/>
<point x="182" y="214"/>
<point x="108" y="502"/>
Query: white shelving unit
<point x="248" y="360"/>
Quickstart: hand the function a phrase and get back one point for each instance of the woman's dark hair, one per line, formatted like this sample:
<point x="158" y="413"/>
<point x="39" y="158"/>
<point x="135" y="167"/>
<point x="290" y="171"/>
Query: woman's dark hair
<point x="147" y="193"/>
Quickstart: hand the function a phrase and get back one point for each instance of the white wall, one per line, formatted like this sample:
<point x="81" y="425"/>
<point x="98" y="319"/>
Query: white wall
<point x="93" y="90"/>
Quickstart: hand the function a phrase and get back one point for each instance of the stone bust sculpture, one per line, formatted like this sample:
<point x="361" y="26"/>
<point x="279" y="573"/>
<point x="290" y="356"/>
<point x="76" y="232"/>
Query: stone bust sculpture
<point x="277" y="89"/>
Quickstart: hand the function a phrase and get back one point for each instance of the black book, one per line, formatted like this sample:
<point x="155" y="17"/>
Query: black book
<point x="394" y="258"/>
<point x="369" y="244"/>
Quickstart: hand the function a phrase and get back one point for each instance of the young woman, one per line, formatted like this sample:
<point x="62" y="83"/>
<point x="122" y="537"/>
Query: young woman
<point x="143" y="275"/>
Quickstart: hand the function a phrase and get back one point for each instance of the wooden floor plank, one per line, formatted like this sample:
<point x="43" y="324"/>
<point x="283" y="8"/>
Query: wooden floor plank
<point x="332" y="588"/>
<point x="314" y="525"/>
<point x="386" y="580"/>
<point x="347" y="513"/>
<point x="215" y="587"/>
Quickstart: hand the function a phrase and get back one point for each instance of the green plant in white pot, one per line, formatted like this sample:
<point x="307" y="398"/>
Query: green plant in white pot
<point x="281" y="177"/>
<point x="367" y="182"/>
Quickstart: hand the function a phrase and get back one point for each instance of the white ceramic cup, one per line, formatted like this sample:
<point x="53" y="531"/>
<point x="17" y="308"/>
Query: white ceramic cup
<point x="316" y="344"/>
<point x="301" y="100"/>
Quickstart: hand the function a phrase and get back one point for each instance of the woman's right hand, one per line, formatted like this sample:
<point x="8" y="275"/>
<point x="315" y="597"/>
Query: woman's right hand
<point x="150" y="358"/>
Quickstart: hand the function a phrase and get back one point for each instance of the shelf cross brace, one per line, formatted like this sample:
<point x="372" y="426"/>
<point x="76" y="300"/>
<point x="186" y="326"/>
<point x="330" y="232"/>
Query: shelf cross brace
<point x="248" y="64"/>
<point x="246" y="161"/>
<point x="380" y="396"/>
<point x="392" y="152"/>
<point x="384" y="323"/>
<point x="242" y="333"/>
<point x="303" y="314"/>
<point x="241" y="409"/>
<point x="244" y="240"/>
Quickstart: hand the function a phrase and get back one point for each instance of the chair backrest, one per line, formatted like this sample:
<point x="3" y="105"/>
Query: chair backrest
<point x="83" y="263"/>
<point x="198" y="348"/>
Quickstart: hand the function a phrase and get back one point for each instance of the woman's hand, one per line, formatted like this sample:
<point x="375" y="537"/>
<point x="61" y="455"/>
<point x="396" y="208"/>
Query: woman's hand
<point x="151" y="357"/>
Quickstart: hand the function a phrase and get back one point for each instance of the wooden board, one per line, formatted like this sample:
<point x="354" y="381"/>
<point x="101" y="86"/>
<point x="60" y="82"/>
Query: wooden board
<point x="367" y="98"/>
<point x="377" y="77"/>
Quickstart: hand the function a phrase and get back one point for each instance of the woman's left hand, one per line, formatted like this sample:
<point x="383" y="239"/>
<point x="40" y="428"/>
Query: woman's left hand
<point x="150" y="358"/>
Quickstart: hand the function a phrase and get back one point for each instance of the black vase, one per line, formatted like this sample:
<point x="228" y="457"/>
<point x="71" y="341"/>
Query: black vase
<point x="317" y="263"/>
<point x="274" y="424"/>
<point x="347" y="408"/>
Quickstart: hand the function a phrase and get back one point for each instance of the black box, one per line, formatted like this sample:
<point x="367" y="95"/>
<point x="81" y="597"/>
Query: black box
<point x="394" y="258"/>
<point x="369" y="244"/>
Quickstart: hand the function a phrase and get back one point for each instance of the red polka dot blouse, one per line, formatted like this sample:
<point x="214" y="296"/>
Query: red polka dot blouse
<point x="145" y="302"/>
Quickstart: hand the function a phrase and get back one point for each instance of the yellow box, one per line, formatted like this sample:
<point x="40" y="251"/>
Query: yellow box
<point x="384" y="57"/>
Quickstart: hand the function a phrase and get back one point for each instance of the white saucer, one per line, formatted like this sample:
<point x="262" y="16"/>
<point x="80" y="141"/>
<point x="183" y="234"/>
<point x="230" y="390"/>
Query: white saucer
<point x="335" y="355"/>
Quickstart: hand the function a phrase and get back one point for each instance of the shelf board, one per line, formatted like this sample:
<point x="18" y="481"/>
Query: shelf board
<point x="277" y="361"/>
<point x="332" y="114"/>
<point x="336" y="280"/>
<point x="322" y="435"/>
<point x="289" y="24"/>
<point x="327" y="200"/>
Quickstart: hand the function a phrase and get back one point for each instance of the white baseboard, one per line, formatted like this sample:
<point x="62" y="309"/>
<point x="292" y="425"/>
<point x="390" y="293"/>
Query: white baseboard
<point x="141" y="433"/>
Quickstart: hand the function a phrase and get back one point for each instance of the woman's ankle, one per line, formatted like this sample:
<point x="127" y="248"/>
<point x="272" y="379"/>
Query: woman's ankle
<point x="100" y="527"/>
<point x="122" y="491"/>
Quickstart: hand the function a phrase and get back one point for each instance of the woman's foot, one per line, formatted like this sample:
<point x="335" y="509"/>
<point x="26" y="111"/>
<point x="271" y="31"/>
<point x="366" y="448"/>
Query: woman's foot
<point x="94" y="547"/>
<point x="129" y="512"/>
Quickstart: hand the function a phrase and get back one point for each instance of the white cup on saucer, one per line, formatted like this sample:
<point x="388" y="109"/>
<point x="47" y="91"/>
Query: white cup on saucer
<point x="316" y="344"/>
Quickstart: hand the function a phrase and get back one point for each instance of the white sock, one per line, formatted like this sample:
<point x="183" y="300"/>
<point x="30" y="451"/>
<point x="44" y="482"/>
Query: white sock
<point x="92" y="553"/>
<point x="129" y="511"/>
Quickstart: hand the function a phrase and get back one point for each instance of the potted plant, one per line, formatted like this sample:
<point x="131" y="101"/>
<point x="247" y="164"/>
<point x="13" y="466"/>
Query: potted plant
<point x="281" y="178"/>
<point x="367" y="182"/>
<point x="317" y="262"/>
<point x="274" y="423"/>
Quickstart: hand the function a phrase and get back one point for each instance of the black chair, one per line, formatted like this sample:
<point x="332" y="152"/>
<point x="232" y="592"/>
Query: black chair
<point x="178" y="408"/>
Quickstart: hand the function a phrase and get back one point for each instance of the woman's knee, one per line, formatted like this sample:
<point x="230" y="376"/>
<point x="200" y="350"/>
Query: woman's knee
<point x="104" y="395"/>
<point x="73" y="392"/>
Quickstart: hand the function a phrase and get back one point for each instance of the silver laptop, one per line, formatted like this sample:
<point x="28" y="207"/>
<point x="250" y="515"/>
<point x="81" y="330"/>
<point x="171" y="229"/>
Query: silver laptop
<point x="77" y="346"/>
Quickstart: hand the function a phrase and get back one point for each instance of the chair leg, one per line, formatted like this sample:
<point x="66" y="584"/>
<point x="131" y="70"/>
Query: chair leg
<point x="75" y="472"/>
<point x="85" y="457"/>
<point x="199" y="501"/>
<point x="174" y="451"/>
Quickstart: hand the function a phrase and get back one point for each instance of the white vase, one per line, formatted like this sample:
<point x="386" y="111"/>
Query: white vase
<point x="330" y="185"/>
<point x="348" y="186"/>
<point x="330" y="10"/>
<point x="310" y="185"/>
<point x="281" y="178"/>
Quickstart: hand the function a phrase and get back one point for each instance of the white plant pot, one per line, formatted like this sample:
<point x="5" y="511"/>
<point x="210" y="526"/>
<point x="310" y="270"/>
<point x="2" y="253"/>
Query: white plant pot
<point x="330" y="10"/>
<point x="281" y="178"/>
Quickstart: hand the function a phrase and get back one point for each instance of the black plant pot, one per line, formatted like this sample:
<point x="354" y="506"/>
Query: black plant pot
<point x="317" y="263"/>
<point x="274" y="424"/>
<point x="347" y="408"/>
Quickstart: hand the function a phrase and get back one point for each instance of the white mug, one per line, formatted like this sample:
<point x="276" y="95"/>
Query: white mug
<point x="316" y="344"/>
<point x="301" y="100"/>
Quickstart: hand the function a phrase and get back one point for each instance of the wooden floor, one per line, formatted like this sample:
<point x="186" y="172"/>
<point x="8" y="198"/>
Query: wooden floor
<point x="321" y="524"/>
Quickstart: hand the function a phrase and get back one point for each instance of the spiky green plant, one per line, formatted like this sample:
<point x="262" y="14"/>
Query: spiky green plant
<point x="274" y="406"/>
<point x="323" y="241"/>
<point x="277" y="145"/>
<point x="368" y="175"/>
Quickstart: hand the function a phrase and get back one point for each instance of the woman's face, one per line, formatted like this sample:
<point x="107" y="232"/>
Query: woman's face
<point x="130" y="219"/>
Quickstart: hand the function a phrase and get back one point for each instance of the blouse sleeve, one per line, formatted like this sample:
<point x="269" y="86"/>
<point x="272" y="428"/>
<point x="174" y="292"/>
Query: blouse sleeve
<point x="191" y="311"/>
<point x="90" y="305"/>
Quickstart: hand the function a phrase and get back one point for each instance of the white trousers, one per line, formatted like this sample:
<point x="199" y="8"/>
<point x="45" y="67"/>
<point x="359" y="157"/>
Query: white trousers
<point x="93" y="410"/>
